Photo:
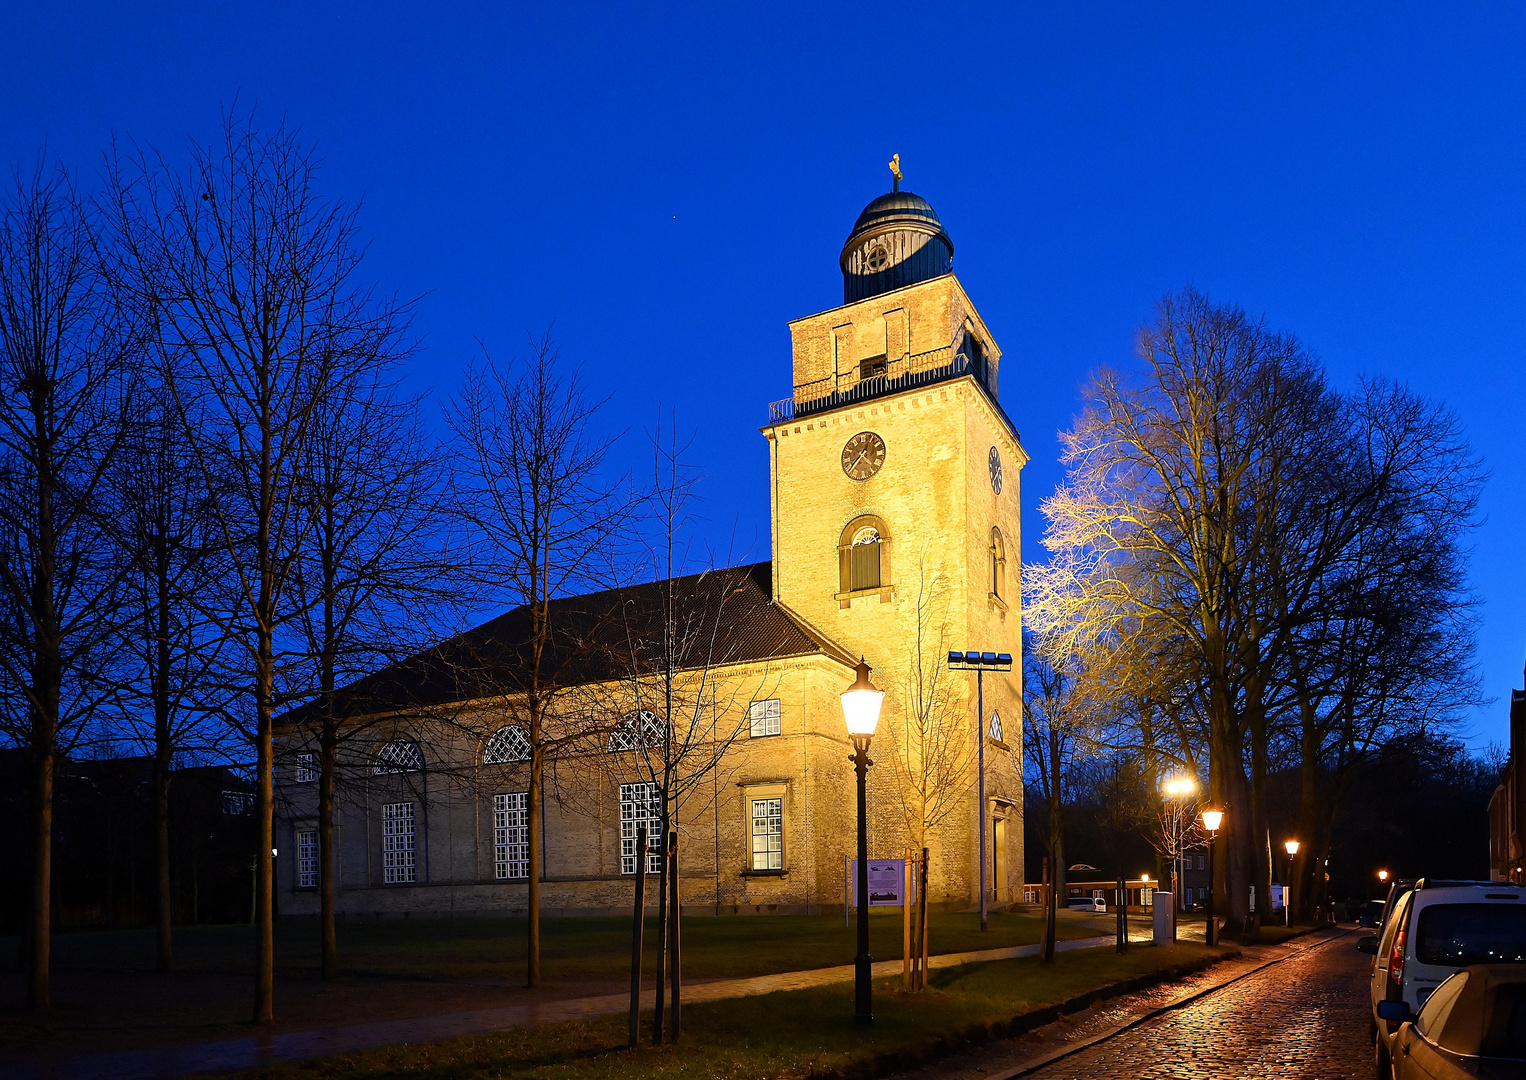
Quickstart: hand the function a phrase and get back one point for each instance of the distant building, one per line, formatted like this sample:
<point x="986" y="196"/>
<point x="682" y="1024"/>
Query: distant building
<point x="1507" y="811"/>
<point x="892" y="466"/>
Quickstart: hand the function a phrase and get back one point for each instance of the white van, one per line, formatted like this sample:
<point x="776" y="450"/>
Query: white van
<point x="1087" y="903"/>
<point x="1433" y="931"/>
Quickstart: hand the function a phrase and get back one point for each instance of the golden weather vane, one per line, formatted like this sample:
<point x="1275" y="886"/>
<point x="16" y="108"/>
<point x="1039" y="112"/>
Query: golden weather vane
<point x="895" y="170"/>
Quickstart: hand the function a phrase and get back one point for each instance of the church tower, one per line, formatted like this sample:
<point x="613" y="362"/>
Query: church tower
<point x="895" y="499"/>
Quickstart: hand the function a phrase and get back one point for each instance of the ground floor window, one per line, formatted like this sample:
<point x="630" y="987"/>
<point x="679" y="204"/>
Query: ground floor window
<point x="639" y="808"/>
<point x="511" y="835"/>
<point x="768" y="834"/>
<point x="398" y="866"/>
<point x="307" y="859"/>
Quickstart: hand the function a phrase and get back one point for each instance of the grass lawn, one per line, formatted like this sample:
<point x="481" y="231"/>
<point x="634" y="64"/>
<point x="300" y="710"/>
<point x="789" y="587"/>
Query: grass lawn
<point x="572" y="949"/>
<point x="782" y="1035"/>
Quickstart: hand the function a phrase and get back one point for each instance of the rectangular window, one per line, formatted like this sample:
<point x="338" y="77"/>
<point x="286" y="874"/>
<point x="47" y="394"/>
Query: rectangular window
<point x="307" y="768"/>
<point x="307" y="859"/>
<point x="511" y="835"/>
<point x="237" y="802"/>
<point x="1457" y="935"/>
<point x="639" y="807"/>
<point x="768" y="834"/>
<point x="1200" y="863"/>
<point x="764" y="717"/>
<point x="398" y="866"/>
<point x="865" y="572"/>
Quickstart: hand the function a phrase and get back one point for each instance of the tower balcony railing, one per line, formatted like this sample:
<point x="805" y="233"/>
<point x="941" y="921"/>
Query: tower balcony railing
<point x="902" y="373"/>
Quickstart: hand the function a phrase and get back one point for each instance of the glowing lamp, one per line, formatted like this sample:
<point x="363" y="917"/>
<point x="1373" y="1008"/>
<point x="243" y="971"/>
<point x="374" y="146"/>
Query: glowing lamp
<point x="1179" y="786"/>
<point x="1212" y="819"/>
<point x="1382" y="875"/>
<point x="861" y="704"/>
<point x="1292" y="846"/>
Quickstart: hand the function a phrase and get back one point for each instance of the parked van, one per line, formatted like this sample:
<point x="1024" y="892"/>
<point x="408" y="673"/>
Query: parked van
<point x="1086" y="903"/>
<point x="1430" y="932"/>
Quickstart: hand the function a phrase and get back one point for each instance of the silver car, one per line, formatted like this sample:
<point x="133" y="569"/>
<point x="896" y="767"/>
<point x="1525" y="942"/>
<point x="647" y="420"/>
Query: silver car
<point x="1472" y="1026"/>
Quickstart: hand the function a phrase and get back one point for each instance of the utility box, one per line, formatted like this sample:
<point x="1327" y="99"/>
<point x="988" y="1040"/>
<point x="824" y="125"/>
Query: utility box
<point x="1165" y="924"/>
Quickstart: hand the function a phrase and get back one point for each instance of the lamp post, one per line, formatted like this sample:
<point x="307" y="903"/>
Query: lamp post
<point x="1177" y="787"/>
<point x="1212" y="819"/>
<point x="1287" y="901"/>
<point x="861" y="710"/>
<point x="980" y="663"/>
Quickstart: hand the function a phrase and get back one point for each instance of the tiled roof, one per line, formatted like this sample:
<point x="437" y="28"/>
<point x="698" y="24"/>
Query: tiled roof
<point x="722" y="616"/>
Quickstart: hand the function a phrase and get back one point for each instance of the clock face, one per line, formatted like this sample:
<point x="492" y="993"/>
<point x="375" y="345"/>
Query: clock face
<point x="863" y="455"/>
<point x="994" y="459"/>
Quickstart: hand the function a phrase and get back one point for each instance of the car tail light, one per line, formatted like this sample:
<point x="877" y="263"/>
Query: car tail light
<point x="1396" y="964"/>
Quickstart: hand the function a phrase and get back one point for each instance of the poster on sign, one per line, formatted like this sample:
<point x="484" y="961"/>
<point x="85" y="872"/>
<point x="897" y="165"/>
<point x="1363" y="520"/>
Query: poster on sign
<point x="886" y="882"/>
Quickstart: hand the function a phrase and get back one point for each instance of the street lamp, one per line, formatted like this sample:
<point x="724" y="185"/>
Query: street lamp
<point x="1382" y="875"/>
<point x="1212" y="819"/>
<point x="1287" y="901"/>
<point x="980" y="663"/>
<point x="861" y="710"/>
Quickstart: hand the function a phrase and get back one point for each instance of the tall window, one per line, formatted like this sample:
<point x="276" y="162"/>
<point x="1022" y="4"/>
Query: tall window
<point x="307" y="768"/>
<point x="996" y="727"/>
<point x="399" y="755"/>
<point x="998" y="565"/>
<point x="398" y="867"/>
<point x="307" y="859"/>
<point x="637" y="730"/>
<point x="763" y="718"/>
<point x="638" y="808"/>
<point x="511" y="835"/>
<point x="508" y="744"/>
<point x="768" y="834"/>
<point x="862" y="555"/>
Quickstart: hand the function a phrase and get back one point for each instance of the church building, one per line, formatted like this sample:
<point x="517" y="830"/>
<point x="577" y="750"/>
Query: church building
<point x="894" y="500"/>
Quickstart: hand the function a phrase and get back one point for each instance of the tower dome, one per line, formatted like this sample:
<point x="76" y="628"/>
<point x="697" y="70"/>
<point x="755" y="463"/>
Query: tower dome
<point x="897" y="241"/>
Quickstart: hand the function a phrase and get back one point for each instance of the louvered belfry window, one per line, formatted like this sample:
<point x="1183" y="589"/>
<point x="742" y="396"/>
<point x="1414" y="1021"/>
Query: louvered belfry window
<point x="864" y="572"/>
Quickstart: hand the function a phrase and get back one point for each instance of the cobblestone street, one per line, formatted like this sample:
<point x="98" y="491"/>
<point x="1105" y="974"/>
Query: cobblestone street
<point x="1301" y="1019"/>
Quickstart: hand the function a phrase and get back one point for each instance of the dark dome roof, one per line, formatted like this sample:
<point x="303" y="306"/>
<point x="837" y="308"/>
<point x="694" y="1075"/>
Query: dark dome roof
<point x="896" y="204"/>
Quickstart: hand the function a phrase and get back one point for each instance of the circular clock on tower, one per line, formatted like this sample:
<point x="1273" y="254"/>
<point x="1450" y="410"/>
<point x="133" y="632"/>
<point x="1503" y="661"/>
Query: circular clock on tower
<point x="994" y="460"/>
<point x="863" y="455"/>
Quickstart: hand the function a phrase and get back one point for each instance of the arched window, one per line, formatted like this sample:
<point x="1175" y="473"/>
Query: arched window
<point x="508" y="744"/>
<point x="862" y="555"/>
<point x="998" y="564"/>
<point x="996" y="727"/>
<point x="399" y="755"/>
<point x="636" y="731"/>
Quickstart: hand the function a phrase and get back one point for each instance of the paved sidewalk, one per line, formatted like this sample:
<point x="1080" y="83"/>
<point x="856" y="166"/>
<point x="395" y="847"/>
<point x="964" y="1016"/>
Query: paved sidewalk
<point x="183" y="1060"/>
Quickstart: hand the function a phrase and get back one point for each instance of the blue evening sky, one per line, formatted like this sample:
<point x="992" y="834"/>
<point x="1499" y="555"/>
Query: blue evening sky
<point x="670" y="184"/>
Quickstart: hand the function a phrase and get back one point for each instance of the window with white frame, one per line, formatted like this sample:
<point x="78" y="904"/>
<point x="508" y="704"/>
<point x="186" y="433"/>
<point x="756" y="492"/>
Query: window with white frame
<point x="511" y="835"/>
<point x="399" y="755"/>
<point x="307" y="858"/>
<point x="635" y="731"/>
<point x="764" y="718"/>
<point x="307" y="768"/>
<point x="639" y="808"/>
<point x="398" y="866"/>
<point x="996" y="727"/>
<point x="508" y="744"/>
<point x="768" y="834"/>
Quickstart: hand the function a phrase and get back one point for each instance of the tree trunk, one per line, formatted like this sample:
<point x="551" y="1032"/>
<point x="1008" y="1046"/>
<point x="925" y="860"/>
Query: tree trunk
<point x="662" y="933"/>
<point x="38" y="996"/>
<point x="327" y="888"/>
<point x="675" y="940"/>
<point x="165" y="958"/>
<point x="264" y="887"/>
<point x="532" y="824"/>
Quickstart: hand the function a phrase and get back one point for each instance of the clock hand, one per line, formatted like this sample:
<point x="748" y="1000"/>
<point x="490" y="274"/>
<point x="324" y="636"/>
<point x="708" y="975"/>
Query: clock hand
<point x="856" y="460"/>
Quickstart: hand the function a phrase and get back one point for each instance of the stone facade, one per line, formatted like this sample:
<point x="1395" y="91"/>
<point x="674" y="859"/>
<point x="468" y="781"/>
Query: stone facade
<point x="948" y="579"/>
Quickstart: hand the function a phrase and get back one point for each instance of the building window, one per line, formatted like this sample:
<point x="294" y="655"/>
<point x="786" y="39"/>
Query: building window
<point x="998" y="565"/>
<point x="872" y="366"/>
<point x="996" y="727"/>
<point x="399" y="755"/>
<point x="863" y="554"/>
<point x="236" y="803"/>
<point x="763" y="717"/>
<point x="768" y="834"/>
<point x="511" y="835"/>
<point x="307" y="859"/>
<point x="1200" y="863"/>
<point x="307" y="768"/>
<point x="636" y="731"/>
<point x="398" y="843"/>
<point x="639" y="808"/>
<point x="508" y="744"/>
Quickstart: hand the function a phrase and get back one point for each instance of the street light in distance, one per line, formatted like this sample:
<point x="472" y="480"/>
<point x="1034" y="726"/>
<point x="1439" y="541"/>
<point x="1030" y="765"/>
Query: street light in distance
<point x="861" y="711"/>
<point x="980" y="663"/>
<point x="1212" y="819"/>
<point x="1287" y="900"/>
<point x="1382" y="875"/>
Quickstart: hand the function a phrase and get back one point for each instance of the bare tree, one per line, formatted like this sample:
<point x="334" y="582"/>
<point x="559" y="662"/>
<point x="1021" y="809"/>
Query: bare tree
<point x="250" y="278"/>
<point x="932" y="754"/>
<point x="65" y="346"/>
<point x="544" y="518"/>
<point x="372" y="569"/>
